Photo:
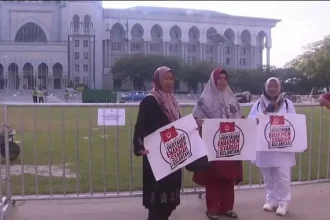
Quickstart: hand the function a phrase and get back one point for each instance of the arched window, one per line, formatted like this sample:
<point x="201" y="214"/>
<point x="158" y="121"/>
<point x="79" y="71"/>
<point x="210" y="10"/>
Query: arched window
<point x="76" y="21"/>
<point x="156" y="31"/>
<point x="87" y="23"/>
<point x="175" y="32"/>
<point x="30" y="32"/>
<point x="137" y="31"/>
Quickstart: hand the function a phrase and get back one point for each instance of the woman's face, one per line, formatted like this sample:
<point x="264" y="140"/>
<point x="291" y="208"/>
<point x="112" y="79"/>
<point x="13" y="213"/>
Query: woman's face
<point x="167" y="82"/>
<point x="222" y="82"/>
<point x="273" y="88"/>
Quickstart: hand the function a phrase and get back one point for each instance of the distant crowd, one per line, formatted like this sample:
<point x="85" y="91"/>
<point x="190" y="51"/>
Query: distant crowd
<point x="40" y="95"/>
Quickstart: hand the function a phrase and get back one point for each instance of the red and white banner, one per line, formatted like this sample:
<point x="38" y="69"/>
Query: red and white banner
<point x="230" y="139"/>
<point x="279" y="132"/>
<point x="174" y="146"/>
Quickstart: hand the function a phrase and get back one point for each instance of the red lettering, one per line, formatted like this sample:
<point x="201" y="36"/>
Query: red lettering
<point x="281" y="139"/>
<point x="176" y="149"/>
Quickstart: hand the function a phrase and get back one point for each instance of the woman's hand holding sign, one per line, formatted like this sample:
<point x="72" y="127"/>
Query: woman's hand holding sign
<point x="199" y="124"/>
<point x="144" y="152"/>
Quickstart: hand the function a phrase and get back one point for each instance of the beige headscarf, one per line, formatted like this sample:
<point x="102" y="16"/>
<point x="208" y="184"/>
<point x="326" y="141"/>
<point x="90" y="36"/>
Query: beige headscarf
<point x="216" y="104"/>
<point x="280" y="96"/>
<point x="166" y="101"/>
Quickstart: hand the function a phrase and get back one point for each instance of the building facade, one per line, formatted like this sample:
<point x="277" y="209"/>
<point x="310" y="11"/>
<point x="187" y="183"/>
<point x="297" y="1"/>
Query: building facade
<point x="50" y="43"/>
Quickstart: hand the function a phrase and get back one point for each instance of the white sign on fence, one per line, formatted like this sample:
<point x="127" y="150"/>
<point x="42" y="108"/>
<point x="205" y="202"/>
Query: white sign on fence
<point x="111" y="117"/>
<point x="174" y="146"/>
<point x="230" y="139"/>
<point x="279" y="132"/>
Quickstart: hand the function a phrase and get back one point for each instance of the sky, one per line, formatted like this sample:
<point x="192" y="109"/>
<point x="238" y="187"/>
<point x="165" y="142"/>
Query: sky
<point x="302" y="22"/>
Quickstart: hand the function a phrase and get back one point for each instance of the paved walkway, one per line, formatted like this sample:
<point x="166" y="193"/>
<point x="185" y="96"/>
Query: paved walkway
<point x="310" y="202"/>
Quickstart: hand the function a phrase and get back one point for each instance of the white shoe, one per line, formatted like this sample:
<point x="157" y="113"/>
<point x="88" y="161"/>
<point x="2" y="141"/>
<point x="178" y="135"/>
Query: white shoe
<point x="269" y="207"/>
<point x="281" y="210"/>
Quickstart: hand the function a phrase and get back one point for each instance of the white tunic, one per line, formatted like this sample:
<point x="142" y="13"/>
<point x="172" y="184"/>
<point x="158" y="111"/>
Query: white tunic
<point x="274" y="159"/>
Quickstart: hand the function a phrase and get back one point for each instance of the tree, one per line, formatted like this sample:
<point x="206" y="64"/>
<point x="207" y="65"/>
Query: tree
<point x="196" y="73"/>
<point x="314" y="62"/>
<point x="294" y="81"/>
<point x="139" y="68"/>
<point x="250" y="79"/>
<point x="132" y="67"/>
<point x="253" y="80"/>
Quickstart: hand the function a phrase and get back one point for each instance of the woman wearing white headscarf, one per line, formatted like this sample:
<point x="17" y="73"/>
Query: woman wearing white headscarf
<point x="218" y="101"/>
<point x="275" y="166"/>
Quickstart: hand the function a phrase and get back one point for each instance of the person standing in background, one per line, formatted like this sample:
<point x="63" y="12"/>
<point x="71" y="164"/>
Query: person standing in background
<point x="66" y="96"/>
<point x="40" y="96"/>
<point x="45" y="92"/>
<point x="35" y="95"/>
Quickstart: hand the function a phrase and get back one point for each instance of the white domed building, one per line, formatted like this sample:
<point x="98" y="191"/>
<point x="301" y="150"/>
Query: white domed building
<point x="50" y="43"/>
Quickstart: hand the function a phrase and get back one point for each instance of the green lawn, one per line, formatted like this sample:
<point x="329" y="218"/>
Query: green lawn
<point x="60" y="140"/>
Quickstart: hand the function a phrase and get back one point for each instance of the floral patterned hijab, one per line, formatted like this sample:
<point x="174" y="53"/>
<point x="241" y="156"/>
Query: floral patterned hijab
<point x="217" y="104"/>
<point x="166" y="101"/>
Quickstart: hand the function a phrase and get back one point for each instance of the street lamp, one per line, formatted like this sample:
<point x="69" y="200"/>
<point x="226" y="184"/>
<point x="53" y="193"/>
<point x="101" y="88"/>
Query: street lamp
<point x="107" y="52"/>
<point x="108" y="44"/>
<point x="127" y="44"/>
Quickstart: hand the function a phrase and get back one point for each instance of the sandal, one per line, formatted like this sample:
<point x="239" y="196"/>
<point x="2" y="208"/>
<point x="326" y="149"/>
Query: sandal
<point x="212" y="216"/>
<point x="231" y="214"/>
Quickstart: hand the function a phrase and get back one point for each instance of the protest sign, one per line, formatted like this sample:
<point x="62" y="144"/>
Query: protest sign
<point x="174" y="146"/>
<point x="278" y="132"/>
<point x="230" y="139"/>
<point x="111" y="117"/>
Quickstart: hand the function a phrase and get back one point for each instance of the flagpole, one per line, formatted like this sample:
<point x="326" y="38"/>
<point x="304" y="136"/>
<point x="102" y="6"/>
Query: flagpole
<point x="14" y="84"/>
<point x="20" y="76"/>
<point x="47" y="74"/>
<point x="51" y="77"/>
<point x="5" y="70"/>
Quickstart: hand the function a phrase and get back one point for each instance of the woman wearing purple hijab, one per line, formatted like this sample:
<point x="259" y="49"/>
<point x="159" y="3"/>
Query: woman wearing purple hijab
<point x="156" y="110"/>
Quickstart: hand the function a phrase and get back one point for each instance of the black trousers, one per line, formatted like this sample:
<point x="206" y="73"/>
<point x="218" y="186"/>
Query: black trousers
<point x="35" y="99"/>
<point x="41" y="99"/>
<point x="159" y="214"/>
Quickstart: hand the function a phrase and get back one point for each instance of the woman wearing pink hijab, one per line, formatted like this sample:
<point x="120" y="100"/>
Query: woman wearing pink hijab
<point x="156" y="110"/>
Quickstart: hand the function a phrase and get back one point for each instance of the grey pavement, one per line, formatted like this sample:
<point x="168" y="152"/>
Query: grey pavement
<point x="309" y="202"/>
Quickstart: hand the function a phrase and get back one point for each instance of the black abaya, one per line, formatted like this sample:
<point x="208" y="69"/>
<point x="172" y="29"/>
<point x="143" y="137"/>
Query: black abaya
<point x="161" y="197"/>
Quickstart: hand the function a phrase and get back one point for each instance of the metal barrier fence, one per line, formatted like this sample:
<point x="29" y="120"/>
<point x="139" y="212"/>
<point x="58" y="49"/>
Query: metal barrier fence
<point x="65" y="155"/>
<point x="57" y="96"/>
